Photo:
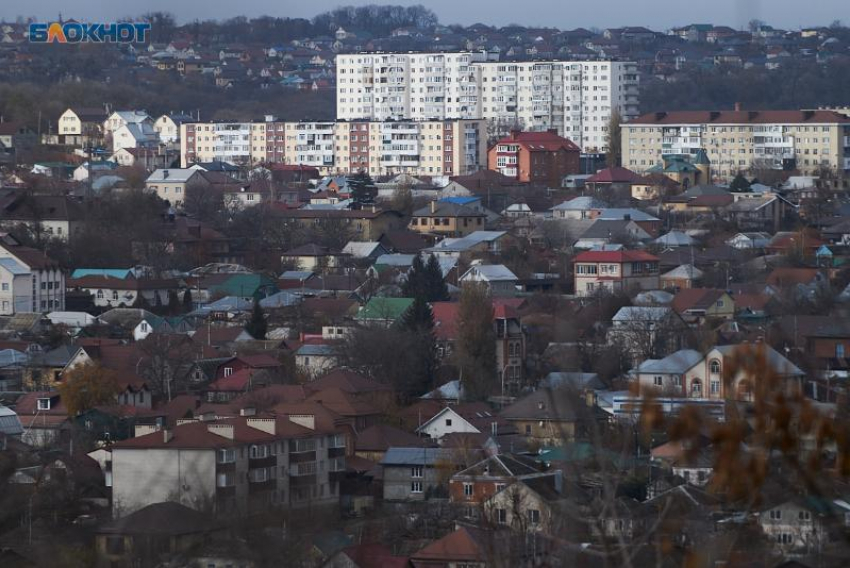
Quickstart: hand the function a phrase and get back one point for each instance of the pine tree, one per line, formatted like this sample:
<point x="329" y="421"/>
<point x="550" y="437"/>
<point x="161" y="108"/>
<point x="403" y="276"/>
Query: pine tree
<point x="141" y="302"/>
<point x="187" y="301"/>
<point x="417" y="334"/>
<point x="363" y="189"/>
<point x="173" y="303"/>
<point x="739" y="184"/>
<point x="257" y="325"/>
<point x="414" y="285"/>
<point x="418" y="318"/>
<point x="157" y="303"/>
<point x="435" y="285"/>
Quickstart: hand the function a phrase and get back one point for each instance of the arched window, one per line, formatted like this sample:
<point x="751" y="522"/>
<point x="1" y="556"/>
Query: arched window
<point x="100" y="294"/>
<point x="696" y="388"/>
<point x="714" y="367"/>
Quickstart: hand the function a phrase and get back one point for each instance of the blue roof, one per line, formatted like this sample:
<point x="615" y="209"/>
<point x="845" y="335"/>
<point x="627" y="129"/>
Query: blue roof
<point x="280" y="300"/>
<point x="416" y="456"/>
<point x="460" y="200"/>
<point x="120" y="273"/>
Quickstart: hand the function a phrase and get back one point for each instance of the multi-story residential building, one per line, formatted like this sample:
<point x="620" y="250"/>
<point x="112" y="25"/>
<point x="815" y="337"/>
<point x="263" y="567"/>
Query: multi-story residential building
<point x="575" y="98"/>
<point x="432" y="147"/>
<point x="167" y="127"/>
<point x="15" y="137"/>
<point x="30" y="281"/>
<point x="539" y="157"/>
<point x="615" y="270"/>
<point x="741" y="141"/>
<point x="239" y="464"/>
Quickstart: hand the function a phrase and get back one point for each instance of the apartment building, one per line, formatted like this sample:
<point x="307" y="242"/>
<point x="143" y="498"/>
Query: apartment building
<point x="433" y="147"/>
<point x="741" y="141"/>
<point x="575" y="98"/>
<point x="539" y="157"/>
<point x="30" y="281"/>
<point x="241" y="464"/>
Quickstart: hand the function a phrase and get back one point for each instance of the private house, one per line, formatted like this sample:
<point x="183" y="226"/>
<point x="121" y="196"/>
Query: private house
<point x="477" y="242"/>
<point x="375" y="441"/>
<point x="367" y="250"/>
<point x="535" y="157"/>
<point x="30" y="281"/>
<point x="647" y="331"/>
<point x="167" y="127"/>
<point x="43" y="416"/>
<point x="535" y="504"/>
<point x="465" y="547"/>
<point x="237" y="465"/>
<point x="121" y="118"/>
<point x="416" y="474"/>
<point x="140" y="135"/>
<point x="312" y="257"/>
<point x="365" y="224"/>
<point x="108" y="292"/>
<point x="498" y="279"/>
<point x="582" y="207"/>
<point x="748" y="241"/>
<point x="797" y="524"/>
<point x="81" y="126"/>
<point x="698" y="304"/>
<point x="469" y="418"/>
<point x="546" y="416"/>
<point x="757" y="211"/>
<point x="144" y="536"/>
<point x="383" y="312"/>
<point x="448" y="219"/>
<point x="510" y="338"/>
<point x="479" y="482"/>
<point x="609" y="180"/>
<point x="15" y="138"/>
<point x="56" y="216"/>
<point x="237" y="197"/>
<point x="170" y="184"/>
<point x="613" y="271"/>
<point x="314" y="359"/>
<point x="694" y="375"/>
<point x="824" y="343"/>
<point x="682" y="277"/>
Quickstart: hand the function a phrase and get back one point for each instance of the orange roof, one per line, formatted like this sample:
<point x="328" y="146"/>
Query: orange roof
<point x="463" y="545"/>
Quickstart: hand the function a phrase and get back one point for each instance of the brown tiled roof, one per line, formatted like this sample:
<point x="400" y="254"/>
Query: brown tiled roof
<point x="347" y="380"/>
<point x="380" y="437"/>
<point x="466" y="544"/>
<point x="343" y="403"/>
<point x="33" y="258"/>
<point x="695" y="298"/>
<point x="743" y="117"/>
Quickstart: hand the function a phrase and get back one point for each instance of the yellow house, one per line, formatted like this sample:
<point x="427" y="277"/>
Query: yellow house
<point x="449" y="219"/>
<point x="703" y="303"/>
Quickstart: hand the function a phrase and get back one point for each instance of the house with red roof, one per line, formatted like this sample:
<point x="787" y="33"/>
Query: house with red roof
<point x="535" y="157"/>
<point x="235" y="465"/>
<point x="510" y="337"/>
<point x="614" y="271"/>
<point x="608" y="179"/>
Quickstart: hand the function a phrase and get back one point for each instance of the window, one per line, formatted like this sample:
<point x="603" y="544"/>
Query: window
<point x="115" y="545"/>
<point x="715" y="387"/>
<point x="5" y="286"/>
<point x="534" y="516"/>
<point x="658" y="381"/>
<point x="502" y="516"/>
<point x="44" y="404"/>
<point x="416" y="487"/>
<point x="677" y="380"/>
<point x="696" y="387"/>
<point x="114" y="295"/>
<point x="448" y="421"/>
<point x="500" y="487"/>
<point x="528" y="429"/>
<point x="784" y="538"/>
<point x="258" y="452"/>
<point x="714" y="367"/>
<point x="776" y="514"/>
<point x="228" y="371"/>
<point x="416" y="471"/>
<point x="805" y="516"/>
<point x="467" y="489"/>
<point x="226" y="456"/>
<point x="839" y="349"/>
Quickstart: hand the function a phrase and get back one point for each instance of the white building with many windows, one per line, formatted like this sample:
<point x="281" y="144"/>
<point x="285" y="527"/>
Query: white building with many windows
<point x="576" y="98"/>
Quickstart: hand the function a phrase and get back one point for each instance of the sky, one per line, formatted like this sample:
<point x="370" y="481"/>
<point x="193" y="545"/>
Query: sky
<point x="564" y="14"/>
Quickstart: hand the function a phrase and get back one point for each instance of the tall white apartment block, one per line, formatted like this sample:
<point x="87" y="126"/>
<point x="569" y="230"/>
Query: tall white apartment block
<point x="418" y="147"/>
<point x="576" y="98"/>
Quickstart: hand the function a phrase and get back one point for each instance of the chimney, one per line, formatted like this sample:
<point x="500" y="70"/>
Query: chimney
<point x="266" y="425"/>
<point x="223" y="430"/>
<point x="737" y="107"/>
<point x="434" y="206"/>
<point x="515" y="134"/>
<point x="305" y="420"/>
<point x="559" y="481"/>
<point x="167" y="435"/>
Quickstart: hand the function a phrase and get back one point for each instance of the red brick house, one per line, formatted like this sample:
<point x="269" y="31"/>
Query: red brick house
<point x="536" y="157"/>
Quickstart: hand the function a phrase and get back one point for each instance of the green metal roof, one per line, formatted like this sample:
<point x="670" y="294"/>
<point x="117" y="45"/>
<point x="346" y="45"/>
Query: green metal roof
<point x="385" y="309"/>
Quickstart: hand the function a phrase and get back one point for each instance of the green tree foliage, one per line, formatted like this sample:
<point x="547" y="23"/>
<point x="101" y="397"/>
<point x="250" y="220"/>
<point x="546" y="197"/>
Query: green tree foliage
<point x="475" y="354"/>
<point x="435" y="285"/>
<point x="257" y="325"/>
<point x="739" y="184"/>
<point x="173" y="303"/>
<point x="418" y="318"/>
<point x="614" y="156"/>
<point x="363" y="188"/>
<point x="187" y="301"/>
<point x="414" y="285"/>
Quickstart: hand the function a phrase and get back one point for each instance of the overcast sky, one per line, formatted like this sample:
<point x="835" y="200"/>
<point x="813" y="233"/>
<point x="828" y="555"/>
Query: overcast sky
<point x="564" y="14"/>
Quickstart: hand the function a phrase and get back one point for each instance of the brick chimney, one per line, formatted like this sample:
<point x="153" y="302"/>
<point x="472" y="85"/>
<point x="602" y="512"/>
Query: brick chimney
<point x="737" y="107"/>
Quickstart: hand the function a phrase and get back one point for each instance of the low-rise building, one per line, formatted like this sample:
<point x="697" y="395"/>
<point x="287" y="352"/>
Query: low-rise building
<point x="535" y="157"/>
<point x="615" y="271"/>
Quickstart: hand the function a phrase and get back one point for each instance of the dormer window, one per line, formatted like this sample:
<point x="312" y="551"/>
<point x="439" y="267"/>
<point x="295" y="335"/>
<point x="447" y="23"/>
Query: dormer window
<point x="228" y="371"/>
<point x="44" y="404"/>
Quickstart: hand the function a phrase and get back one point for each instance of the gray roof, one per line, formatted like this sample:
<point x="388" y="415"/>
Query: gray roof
<point x="544" y="404"/>
<point x="574" y="380"/>
<point x="776" y="360"/>
<point x="607" y="228"/>
<point x="582" y="203"/>
<point x="452" y="390"/>
<point x="280" y="300"/>
<point x="641" y="313"/>
<point x="14" y="266"/>
<point x="675" y="239"/>
<point x="633" y="214"/>
<point x="10" y="424"/>
<point x="395" y="259"/>
<point x="467" y="242"/>
<point x="416" y="456"/>
<point x="492" y="273"/>
<point x="358" y="249"/>
<point x="685" y="271"/>
<point x="676" y="363"/>
<point x="176" y="175"/>
<point x="296" y="275"/>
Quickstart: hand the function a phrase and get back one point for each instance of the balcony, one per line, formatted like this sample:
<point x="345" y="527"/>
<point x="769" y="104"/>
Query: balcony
<point x="303" y="469"/>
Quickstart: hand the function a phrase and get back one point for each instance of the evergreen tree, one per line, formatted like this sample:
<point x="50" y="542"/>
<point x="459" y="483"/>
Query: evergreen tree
<point x="739" y="184"/>
<point x="187" y="301"/>
<point x="157" y="303"/>
<point x="141" y="302"/>
<point x="257" y="325"/>
<point x="173" y="303"/>
<point x="414" y="285"/>
<point x="417" y="334"/>
<point x="363" y="188"/>
<point x="435" y="285"/>
<point x="418" y="318"/>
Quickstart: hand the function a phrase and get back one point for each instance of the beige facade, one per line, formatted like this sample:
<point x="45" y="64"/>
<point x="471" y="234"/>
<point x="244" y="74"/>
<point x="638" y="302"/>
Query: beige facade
<point x="434" y="148"/>
<point x="741" y="141"/>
